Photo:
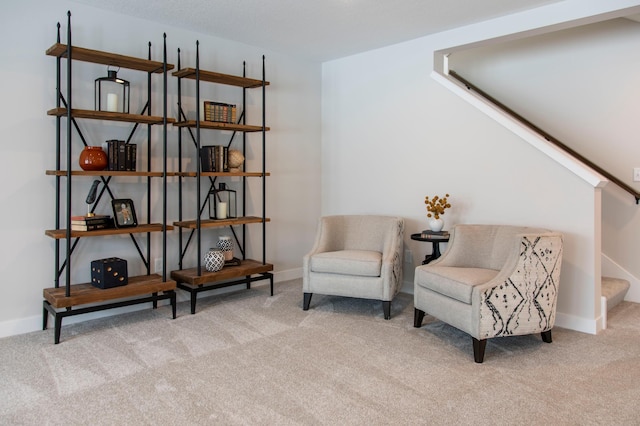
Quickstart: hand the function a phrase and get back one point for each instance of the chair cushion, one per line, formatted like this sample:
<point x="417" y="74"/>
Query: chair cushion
<point x="348" y="262"/>
<point x="453" y="282"/>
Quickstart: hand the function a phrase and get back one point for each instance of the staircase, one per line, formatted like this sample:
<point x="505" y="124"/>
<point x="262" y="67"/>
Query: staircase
<point x="614" y="290"/>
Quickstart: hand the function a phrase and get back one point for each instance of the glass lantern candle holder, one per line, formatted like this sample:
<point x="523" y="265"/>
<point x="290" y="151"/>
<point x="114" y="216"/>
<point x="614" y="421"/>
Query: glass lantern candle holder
<point x="112" y="93"/>
<point x="222" y="203"/>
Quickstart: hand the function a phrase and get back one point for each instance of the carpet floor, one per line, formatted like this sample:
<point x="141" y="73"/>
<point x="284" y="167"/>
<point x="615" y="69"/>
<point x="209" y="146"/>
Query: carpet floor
<point x="248" y="358"/>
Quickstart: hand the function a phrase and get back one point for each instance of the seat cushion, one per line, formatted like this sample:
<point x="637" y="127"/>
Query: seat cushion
<point x="453" y="282"/>
<point x="348" y="262"/>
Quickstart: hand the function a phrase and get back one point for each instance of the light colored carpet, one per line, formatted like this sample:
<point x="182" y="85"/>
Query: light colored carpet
<point x="247" y="358"/>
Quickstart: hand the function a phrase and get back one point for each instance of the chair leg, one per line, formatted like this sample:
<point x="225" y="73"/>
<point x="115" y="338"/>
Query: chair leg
<point x="418" y="316"/>
<point x="386" y="307"/>
<point x="478" y="349"/>
<point x="307" y="301"/>
<point x="546" y="336"/>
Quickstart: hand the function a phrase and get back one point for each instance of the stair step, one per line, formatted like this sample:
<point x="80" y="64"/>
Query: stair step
<point x="614" y="289"/>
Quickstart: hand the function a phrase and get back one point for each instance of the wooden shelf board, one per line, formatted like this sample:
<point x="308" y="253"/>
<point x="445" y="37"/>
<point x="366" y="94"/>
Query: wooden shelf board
<point x="224" y="174"/>
<point x="109" y="116"/>
<point x="212" y="223"/>
<point x="82" y="294"/>
<point x="215" y="77"/>
<point x="221" y="126"/>
<point x="106" y="58"/>
<point x="247" y="267"/>
<point x="62" y="233"/>
<point x="104" y="173"/>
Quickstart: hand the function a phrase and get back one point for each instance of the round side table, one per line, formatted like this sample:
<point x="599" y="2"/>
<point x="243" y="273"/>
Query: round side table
<point x="435" y="238"/>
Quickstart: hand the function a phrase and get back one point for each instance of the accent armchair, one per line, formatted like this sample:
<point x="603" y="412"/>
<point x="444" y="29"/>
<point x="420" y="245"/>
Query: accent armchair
<point x="355" y="256"/>
<point x="492" y="281"/>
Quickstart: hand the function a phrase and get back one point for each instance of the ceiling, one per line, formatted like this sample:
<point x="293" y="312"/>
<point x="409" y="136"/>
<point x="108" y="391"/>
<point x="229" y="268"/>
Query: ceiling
<point x="317" y="30"/>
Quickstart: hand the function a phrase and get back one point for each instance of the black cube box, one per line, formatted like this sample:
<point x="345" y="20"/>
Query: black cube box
<point x="108" y="273"/>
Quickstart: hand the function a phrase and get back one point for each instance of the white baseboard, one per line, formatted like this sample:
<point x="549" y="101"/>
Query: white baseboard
<point x="582" y="325"/>
<point x="34" y="323"/>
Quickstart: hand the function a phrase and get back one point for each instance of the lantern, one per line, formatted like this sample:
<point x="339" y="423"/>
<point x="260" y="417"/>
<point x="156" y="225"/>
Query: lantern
<point x="222" y="203"/>
<point x="112" y="93"/>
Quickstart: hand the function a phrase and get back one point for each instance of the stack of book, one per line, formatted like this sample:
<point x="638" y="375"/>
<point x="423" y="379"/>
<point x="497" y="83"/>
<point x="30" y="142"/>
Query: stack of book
<point x="220" y="112"/>
<point x="121" y="155"/>
<point x="91" y="223"/>
<point x="433" y="235"/>
<point x="214" y="158"/>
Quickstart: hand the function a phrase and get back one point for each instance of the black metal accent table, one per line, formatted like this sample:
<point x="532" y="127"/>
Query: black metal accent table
<point x="435" y="238"/>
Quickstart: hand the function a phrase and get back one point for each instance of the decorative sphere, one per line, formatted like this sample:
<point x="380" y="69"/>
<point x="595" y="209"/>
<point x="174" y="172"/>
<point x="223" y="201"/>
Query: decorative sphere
<point x="235" y="159"/>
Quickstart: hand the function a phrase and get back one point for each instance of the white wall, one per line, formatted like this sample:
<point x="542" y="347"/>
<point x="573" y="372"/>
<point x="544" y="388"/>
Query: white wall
<point x="541" y="78"/>
<point x="27" y="81"/>
<point x="392" y="135"/>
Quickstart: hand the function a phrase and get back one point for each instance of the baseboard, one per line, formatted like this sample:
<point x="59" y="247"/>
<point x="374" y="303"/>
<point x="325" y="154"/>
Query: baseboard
<point x="34" y="323"/>
<point x="583" y="325"/>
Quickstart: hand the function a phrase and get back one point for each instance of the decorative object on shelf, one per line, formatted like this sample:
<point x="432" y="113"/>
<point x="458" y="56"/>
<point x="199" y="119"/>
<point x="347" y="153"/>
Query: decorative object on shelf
<point x="222" y="203"/>
<point x="214" y="260"/>
<point x="121" y="155"/>
<point x="124" y="213"/>
<point x="226" y="245"/>
<point x="91" y="223"/>
<point x="109" y="272"/>
<point x="213" y="158"/>
<point x="93" y="158"/>
<point x="217" y="111"/>
<point x="436" y="207"/>
<point x="112" y="93"/>
<point x="91" y="197"/>
<point x="235" y="160"/>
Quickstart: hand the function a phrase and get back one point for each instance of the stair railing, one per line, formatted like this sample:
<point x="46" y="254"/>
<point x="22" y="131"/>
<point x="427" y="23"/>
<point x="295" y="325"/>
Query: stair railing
<point x="546" y="135"/>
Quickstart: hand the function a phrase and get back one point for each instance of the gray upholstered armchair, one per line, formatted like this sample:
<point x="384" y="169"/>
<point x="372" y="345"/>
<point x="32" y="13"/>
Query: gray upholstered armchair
<point x="355" y="256"/>
<point x="492" y="281"/>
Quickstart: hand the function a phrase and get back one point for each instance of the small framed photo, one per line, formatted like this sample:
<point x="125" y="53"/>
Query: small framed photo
<point x="124" y="214"/>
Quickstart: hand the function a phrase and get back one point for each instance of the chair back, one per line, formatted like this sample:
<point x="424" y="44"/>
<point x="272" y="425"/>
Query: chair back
<point x="360" y="232"/>
<point x="486" y="246"/>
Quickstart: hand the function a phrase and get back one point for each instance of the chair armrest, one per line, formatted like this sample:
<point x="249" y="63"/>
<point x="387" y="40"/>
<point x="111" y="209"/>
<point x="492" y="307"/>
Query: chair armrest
<point x="521" y="299"/>
<point x="392" y="261"/>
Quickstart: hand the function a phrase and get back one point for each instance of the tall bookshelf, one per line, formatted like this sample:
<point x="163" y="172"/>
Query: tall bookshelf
<point x="67" y="298"/>
<point x="196" y="279"/>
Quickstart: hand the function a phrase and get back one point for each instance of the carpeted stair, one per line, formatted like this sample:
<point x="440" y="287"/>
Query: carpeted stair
<point x="614" y="289"/>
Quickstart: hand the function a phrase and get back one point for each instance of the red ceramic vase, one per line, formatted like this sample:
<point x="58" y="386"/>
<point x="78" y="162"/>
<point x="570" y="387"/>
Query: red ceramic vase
<point x="93" y="158"/>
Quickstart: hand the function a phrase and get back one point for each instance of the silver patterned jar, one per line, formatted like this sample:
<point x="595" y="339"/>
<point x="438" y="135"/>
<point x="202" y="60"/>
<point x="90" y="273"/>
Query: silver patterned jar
<point x="214" y="260"/>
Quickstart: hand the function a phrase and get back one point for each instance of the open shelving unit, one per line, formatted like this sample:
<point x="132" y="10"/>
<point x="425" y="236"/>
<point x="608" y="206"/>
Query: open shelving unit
<point x="197" y="279"/>
<point x="66" y="298"/>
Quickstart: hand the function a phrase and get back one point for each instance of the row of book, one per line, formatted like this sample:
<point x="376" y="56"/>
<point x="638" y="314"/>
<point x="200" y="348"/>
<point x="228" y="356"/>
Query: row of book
<point x="121" y="155"/>
<point x="220" y="112"/>
<point x="214" y="158"/>
<point x="91" y="223"/>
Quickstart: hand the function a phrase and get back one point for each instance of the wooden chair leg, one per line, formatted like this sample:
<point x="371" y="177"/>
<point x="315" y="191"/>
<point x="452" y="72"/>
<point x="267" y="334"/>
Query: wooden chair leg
<point x="418" y="316"/>
<point x="478" y="349"/>
<point x="546" y="336"/>
<point x="307" y="301"/>
<point x="386" y="307"/>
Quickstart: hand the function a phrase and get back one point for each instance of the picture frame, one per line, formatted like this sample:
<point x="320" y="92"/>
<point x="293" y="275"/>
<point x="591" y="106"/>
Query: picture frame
<point x="124" y="213"/>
